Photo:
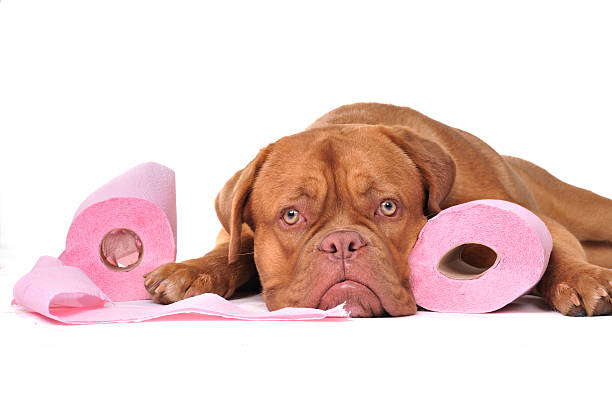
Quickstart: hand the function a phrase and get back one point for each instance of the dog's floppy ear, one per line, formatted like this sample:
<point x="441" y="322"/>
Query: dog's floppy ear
<point x="232" y="198"/>
<point x="434" y="163"/>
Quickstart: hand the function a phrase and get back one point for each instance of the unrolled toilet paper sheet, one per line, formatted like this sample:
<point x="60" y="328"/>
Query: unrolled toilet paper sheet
<point x="66" y="294"/>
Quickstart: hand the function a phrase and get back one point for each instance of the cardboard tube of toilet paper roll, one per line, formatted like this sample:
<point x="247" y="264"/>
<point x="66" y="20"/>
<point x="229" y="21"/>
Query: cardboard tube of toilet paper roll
<point x="125" y="229"/>
<point x="478" y="257"/>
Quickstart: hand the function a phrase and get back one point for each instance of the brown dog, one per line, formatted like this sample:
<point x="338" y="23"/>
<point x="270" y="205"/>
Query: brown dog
<point x="330" y="215"/>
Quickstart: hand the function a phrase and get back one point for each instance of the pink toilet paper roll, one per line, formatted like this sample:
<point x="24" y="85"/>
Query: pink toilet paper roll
<point x="125" y="229"/>
<point x="515" y="243"/>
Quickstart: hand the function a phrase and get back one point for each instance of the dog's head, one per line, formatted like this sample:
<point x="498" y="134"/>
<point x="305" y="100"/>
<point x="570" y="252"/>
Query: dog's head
<point x="335" y="212"/>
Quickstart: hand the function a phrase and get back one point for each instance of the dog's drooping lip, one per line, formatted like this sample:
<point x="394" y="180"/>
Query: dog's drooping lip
<point x="360" y="300"/>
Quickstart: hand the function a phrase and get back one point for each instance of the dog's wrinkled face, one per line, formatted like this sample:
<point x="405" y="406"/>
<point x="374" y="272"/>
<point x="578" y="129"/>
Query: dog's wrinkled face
<point x="335" y="212"/>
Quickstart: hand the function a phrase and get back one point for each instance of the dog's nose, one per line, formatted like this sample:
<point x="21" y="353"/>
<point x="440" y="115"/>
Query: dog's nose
<point x="342" y="244"/>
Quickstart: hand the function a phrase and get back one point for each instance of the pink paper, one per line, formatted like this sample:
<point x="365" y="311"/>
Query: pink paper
<point x="66" y="294"/>
<point x="520" y="239"/>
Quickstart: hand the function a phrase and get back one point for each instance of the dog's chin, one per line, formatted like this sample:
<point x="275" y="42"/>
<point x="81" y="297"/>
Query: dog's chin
<point x="358" y="299"/>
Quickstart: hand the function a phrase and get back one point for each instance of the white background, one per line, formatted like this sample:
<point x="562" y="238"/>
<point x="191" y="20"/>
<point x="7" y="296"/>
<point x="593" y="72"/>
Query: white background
<point x="89" y="89"/>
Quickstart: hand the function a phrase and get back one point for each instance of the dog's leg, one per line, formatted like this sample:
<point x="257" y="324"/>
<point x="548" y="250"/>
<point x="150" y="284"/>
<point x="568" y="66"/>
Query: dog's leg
<point x="598" y="252"/>
<point x="588" y="216"/>
<point x="574" y="283"/>
<point x="571" y="284"/>
<point x="208" y="274"/>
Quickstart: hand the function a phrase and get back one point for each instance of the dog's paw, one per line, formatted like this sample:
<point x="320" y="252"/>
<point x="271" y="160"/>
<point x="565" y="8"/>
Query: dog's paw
<point x="584" y="292"/>
<point x="175" y="281"/>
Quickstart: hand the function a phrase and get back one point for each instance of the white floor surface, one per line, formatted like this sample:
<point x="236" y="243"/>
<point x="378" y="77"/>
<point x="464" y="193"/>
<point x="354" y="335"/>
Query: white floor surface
<point x="522" y="355"/>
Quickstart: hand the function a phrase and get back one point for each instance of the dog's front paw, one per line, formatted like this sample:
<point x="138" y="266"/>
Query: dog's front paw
<point x="175" y="281"/>
<point x="585" y="291"/>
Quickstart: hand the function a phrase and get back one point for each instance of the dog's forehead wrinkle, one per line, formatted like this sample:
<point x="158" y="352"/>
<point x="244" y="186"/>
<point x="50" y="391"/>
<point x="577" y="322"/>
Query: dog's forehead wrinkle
<point x="301" y="188"/>
<point x="334" y="171"/>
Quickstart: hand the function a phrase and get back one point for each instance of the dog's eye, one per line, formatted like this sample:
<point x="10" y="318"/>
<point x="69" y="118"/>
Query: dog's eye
<point x="291" y="216"/>
<point x="388" y="208"/>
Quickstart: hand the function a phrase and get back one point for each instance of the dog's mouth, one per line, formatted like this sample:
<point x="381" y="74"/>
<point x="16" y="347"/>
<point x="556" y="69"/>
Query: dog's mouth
<point x="359" y="299"/>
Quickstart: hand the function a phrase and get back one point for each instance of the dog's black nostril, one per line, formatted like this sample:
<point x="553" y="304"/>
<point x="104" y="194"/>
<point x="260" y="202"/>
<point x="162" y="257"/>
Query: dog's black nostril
<point x="342" y="244"/>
